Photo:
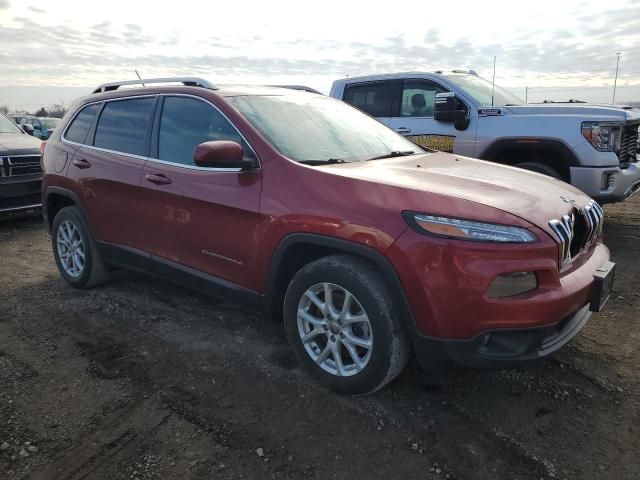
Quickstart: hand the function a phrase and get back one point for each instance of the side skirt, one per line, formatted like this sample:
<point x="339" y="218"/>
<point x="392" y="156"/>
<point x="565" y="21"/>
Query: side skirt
<point x="132" y="259"/>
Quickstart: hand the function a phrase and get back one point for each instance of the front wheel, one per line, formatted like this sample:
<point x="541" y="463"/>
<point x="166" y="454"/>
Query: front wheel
<point x="341" y="322"/>
<point x="540" y="168"/>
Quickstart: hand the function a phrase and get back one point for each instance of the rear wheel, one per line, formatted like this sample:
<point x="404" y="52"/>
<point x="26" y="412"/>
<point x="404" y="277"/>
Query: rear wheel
<point x="340" y="320"/>
<point x="74" y="250"/>
<point x="540" y="168"/>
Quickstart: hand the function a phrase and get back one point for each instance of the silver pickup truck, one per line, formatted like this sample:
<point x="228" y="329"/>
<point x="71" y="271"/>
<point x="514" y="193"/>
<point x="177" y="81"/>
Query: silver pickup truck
<point x="593" y="147"/>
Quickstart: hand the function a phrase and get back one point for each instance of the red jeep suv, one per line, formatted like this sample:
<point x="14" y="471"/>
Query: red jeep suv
<point x="369" y="247"/>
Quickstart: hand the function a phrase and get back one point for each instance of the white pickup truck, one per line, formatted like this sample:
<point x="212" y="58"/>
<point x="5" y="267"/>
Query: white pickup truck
<point x="593" y="147"/>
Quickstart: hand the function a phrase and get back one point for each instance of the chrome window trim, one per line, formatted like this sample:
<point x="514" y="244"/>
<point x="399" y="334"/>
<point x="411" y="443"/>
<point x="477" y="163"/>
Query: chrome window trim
<point x="157" y="160"/>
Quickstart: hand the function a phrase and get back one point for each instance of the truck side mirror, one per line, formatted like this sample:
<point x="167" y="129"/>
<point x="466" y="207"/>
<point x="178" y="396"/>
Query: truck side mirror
<point x="27" y="128"/>
<point x="447" y="109"/>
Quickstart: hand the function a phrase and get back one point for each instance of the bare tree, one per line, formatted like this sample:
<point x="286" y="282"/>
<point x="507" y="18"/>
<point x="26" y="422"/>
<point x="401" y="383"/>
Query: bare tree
<point x="4" y="109"/>
<point x="41" y="113"/>
<point x="57" y="110"/>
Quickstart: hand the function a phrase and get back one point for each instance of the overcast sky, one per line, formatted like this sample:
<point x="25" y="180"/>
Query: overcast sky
<point x="547" y="43"/>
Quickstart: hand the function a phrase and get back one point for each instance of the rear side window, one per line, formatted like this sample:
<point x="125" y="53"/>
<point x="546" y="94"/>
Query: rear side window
<point x="122" y="126"/>
<point x="187" y="122"/>
<point x="372" y="98"/>
<point x="77" y="131"/>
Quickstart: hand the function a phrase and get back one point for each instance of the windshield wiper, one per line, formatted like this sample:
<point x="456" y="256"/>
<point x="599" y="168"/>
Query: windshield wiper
<point x="395" y="153"/>
<point x="328" y="161"/>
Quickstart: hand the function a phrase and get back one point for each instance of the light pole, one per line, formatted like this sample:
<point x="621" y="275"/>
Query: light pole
<point x="615" y="81"/>
<point x="526" y="94"/>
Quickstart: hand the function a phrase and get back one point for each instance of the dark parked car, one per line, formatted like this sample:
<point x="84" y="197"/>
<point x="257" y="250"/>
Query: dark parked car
<point x="368" y="246"/>
<point x="39" y="127"/>
<point x="20" y="171"/>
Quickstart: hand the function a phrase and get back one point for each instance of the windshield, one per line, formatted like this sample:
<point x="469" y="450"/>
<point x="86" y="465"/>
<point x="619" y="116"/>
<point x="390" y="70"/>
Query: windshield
<point x="481" y="90"/>
<point x="7" y="126"/>
<point x="313" y="128"/>
<point x="50" y="123"/>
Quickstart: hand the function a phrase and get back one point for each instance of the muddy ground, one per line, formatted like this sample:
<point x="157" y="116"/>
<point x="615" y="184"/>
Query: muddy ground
<point x="141" y="379"/>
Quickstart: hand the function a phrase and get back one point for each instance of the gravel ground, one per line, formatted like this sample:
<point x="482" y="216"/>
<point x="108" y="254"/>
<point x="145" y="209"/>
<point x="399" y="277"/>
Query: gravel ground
<point x="142" y="379"/>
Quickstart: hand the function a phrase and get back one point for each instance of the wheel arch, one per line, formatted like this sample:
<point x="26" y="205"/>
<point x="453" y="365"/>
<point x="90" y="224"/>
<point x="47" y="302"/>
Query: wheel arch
<point x="55" y="199"/>
<point x="298" y="249"/>
<point x="511" y="151"/>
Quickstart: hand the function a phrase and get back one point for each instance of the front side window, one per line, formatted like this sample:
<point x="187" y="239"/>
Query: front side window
<point x="372" y="98"/>
<point x="418" y="98"/>
<point x="122" y="126"/>
<point x="318" y="129"/>
<point x="187" y="122"/>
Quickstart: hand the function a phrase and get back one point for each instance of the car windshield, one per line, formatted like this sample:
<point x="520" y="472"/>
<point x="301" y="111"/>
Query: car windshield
<point x="317" y="129"/>
<point x="50" y="123"/>
<point x="7" y="126"/>
<point x="481" y="90"/>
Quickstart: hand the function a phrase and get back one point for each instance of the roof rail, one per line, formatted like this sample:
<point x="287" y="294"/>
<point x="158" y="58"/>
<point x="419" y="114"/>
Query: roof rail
<point x="470" y="72"/>
<point x="304" y="88"/>
<point x="188" y="81"/>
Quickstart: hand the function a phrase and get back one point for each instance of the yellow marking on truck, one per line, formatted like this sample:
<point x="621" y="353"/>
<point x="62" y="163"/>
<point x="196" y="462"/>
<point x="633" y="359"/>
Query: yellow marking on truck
<point x="443" y="143"/>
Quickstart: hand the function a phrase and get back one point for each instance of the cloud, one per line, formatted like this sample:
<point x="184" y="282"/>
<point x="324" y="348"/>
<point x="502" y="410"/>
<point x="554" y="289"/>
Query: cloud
<point x="34" y="9"/>
<point x="4" y="4"/>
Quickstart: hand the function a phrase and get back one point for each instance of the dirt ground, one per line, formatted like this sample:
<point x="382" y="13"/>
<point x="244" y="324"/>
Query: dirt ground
<point x="141" y="379"/>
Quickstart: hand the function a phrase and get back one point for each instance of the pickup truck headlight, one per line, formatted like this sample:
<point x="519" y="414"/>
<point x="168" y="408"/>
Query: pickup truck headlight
<point x="604" y="136"/>
<point x="467" y="229"/>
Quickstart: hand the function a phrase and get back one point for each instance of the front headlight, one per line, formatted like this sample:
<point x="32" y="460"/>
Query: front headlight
<point x="467" y="229"/>
<point x="603" y="136"/>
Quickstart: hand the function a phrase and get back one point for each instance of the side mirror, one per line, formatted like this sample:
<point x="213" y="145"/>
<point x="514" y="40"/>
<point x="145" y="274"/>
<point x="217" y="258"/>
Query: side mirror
<point x="219" y="154"/>
<point x="446" y="109"/>
<point x="27" y="128"/>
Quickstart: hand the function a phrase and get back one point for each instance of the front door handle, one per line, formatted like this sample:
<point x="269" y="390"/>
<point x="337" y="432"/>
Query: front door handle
<point x="403" y="130"/>
<point x="81" y="163"/>
<point x="158" y="179"/>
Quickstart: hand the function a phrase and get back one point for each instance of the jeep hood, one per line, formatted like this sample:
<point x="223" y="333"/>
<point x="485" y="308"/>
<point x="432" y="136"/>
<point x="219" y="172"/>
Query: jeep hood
<point x="530" y="196"/>
<point x="18" y="144"/>
<point x="610" y="112"/>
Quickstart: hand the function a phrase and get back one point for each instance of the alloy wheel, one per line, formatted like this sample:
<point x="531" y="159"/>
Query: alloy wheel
<point x="71" y="249"/>
<point x="334" y="329"/>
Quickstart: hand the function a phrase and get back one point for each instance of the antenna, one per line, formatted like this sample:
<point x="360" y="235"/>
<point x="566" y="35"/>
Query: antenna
<point x="140" y="78"/>
<point x="493" y="82"/>
<point x="615" y="81"/>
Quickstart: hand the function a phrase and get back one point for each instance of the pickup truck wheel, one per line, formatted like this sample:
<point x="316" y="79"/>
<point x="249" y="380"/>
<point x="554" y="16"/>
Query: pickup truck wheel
<point x="75" y="251"/>
<point x="340" y="321"/>
<point x="540" y="168"/>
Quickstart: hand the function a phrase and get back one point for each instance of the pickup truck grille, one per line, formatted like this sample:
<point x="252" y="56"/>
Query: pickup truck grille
<point x="628" y="145"/>
<point x="20" y="165"/>
<point x="577" y="230"/>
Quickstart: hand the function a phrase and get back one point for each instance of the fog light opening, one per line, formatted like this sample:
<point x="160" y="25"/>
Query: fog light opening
<point x="511" y="284"/>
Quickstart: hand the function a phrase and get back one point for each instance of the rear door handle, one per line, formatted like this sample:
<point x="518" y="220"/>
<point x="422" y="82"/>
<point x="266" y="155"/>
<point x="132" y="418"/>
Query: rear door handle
<point x="158" y="179"/>
<point x="403" y="130"/>
<point x="81" y="163"/>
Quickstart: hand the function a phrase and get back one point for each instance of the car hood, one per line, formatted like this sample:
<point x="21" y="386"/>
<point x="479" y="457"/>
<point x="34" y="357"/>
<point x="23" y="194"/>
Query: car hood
<point x="530" y="196"/>
<point x="621" y="113"/>
<point x="18" y="144"/>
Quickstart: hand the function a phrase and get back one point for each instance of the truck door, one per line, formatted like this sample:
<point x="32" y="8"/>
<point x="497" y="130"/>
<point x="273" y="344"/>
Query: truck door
<point x="414" y="119"/>
<point x="374" y="98"/>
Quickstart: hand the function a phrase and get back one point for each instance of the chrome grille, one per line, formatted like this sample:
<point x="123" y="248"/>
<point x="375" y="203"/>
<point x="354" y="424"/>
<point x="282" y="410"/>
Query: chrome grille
<point x="564" y="229"/>
<point x="594" y="216"/>
<point x="20" y="165"/>
<point x="628" y="145"/>
<point x="578" y="230"/>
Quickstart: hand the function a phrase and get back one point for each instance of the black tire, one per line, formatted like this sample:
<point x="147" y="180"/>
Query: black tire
<point x="390" y="345"/>
<point x="540" y="168"/>
<point x="94" y="271"/>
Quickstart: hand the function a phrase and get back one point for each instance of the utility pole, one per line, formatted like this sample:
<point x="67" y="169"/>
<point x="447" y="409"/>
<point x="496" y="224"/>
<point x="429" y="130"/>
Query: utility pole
<point x="526" y="94"/>
<point x="615" y="81"/>
<point x="493" y="83"/>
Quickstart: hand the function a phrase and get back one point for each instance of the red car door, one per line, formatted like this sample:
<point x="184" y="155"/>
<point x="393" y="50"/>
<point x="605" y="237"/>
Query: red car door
<point x="199" y="218"/>
<point x="107" y="167"/>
